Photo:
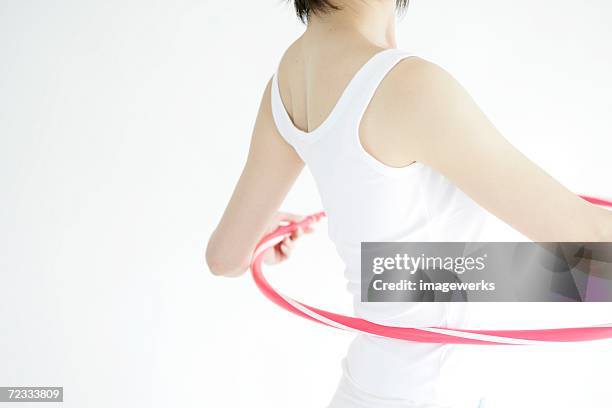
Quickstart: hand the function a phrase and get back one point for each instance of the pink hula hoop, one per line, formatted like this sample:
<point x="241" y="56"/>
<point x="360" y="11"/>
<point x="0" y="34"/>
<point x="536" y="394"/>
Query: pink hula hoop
<point x="421" y="334"/>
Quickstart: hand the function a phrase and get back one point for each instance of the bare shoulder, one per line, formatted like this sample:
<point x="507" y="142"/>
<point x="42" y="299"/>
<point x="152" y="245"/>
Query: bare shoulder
<point x="291" y="63"/>
<point x="392" y="127"/>
<point x="419" y="66"/>
<point x="419" y="79"/>
<point x="420" y="104"/>
<point x="412" y="90"/>
<point x="428" y="97"/>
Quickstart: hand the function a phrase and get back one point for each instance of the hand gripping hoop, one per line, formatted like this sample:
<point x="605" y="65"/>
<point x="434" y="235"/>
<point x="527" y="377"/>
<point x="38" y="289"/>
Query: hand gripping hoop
<point x="421" y="334"/>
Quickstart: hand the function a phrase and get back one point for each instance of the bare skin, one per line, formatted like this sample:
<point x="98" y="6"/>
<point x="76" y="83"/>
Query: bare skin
<point x="419" y="113"/>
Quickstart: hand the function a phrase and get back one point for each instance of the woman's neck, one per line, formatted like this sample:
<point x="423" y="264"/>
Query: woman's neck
<point x="373" y="22"/>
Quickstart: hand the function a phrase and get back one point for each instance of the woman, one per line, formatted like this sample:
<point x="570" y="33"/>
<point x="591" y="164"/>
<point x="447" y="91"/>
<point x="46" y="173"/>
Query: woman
<point x="395" y="142"/>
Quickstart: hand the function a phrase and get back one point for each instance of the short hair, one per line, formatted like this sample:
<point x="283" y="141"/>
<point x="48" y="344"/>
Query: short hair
<point x="306" y="8"/>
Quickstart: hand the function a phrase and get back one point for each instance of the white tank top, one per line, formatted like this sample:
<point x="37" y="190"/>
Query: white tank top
<point x="366" y="200"/>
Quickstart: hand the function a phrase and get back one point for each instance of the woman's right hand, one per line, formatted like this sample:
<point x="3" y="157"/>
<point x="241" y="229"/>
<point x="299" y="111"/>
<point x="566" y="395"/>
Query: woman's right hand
<point x="281" y="251"/>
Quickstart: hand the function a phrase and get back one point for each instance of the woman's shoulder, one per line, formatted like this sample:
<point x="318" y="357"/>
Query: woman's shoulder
<point x="292" y="57"/>
<point x="421" y="85"/>
<point x="415" y="70"/>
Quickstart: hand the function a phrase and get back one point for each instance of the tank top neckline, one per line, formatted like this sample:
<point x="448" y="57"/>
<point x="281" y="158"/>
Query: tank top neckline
<point x="333" y="113"/>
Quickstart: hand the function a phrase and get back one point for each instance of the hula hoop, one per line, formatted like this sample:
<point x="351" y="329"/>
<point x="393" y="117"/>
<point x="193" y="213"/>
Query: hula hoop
<point x="421" y="334"/>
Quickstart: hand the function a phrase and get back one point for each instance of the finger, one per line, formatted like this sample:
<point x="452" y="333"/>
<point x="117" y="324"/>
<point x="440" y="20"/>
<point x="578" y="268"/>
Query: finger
<point x="286" y="249"/>
<point x="280" y="219"/>
<point x="289" y="217"/>
<point x="271" y="256"/>
<point x="288" y="242"/>
<point x="296" y="234"/>
<point x="286" y="246"/>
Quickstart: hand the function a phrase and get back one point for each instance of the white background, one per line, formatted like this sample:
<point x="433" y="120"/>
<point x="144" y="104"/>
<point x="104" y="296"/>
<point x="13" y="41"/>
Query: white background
<point x="123" y="128"/>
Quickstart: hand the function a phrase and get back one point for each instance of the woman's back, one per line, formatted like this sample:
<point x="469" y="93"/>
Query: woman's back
<point x="367" y="199"/>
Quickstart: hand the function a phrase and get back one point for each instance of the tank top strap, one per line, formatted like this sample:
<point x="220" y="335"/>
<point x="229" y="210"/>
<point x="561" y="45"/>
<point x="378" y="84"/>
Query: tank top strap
<point x="348" y="109"/>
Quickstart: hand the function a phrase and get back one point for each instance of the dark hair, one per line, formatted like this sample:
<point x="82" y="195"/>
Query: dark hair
<point x="305" y="8"/>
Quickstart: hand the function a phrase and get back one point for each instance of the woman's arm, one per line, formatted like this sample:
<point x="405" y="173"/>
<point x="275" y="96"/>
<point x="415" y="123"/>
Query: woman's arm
<point x="448" y="132"/>
<point x="270" y="170"/>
